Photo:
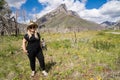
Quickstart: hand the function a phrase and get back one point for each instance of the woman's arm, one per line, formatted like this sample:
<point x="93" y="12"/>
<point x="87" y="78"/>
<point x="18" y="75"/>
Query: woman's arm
<point x="24" y="45"/>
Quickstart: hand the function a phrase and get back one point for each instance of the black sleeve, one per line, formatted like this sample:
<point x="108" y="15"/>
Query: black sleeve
<point x="26" y="37"/>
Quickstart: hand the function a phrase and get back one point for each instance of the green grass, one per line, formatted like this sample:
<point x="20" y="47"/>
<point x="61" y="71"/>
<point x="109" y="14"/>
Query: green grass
<point x="94" y="56"/>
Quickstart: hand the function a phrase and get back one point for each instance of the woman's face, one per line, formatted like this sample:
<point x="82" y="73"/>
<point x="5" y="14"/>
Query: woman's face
<point x="32" y="29"/>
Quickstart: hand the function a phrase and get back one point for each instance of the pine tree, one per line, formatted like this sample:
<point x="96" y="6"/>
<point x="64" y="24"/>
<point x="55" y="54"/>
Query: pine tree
<point x="2" y="3"/>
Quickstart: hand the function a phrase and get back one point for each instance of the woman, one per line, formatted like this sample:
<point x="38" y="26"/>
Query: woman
<point x="31" y="46"/>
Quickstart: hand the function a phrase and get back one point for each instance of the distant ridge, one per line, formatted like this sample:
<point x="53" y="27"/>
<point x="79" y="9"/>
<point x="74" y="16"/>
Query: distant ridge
<point x="108" y="23"/>
<point x="111" y="25"/>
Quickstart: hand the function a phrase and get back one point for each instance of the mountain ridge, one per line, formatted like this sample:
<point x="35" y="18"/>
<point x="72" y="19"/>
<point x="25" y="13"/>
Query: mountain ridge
<point x="66" y="19"/>
<point x="108" y="23"/>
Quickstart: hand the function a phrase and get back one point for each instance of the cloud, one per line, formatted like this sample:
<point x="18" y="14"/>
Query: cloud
<point x="50" y="5"/>
<point x="107" y="12"/>
<point x="83" y="1"/>
<point x="15" y="3"/>
<point x="111" y="8"/>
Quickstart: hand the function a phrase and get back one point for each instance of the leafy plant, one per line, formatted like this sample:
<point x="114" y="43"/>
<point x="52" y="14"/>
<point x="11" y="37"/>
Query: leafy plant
<point x="103" y="44"/>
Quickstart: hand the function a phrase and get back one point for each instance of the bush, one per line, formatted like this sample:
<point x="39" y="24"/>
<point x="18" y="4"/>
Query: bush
<point x="101" y="33"/>
<point x="104" y="45"/>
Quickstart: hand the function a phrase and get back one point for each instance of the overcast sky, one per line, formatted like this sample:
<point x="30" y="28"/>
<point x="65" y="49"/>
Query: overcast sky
<point x="92" y="10"/>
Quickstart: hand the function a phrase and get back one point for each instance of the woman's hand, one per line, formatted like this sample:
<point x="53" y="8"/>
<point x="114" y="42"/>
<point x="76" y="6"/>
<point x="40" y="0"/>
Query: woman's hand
<point x="24" y="46"/>
<point x="25" y="51"/>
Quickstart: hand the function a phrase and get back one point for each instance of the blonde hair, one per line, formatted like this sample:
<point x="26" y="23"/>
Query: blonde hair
<point x="30" y="35"/>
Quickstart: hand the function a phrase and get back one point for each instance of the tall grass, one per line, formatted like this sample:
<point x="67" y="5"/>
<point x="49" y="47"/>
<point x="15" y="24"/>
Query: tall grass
<point x="94" y="56"/>
<point x="103" y="44"/>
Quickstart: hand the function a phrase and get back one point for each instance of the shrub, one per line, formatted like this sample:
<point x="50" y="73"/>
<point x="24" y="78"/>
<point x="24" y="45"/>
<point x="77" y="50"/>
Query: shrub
<point x="103" y="44"/>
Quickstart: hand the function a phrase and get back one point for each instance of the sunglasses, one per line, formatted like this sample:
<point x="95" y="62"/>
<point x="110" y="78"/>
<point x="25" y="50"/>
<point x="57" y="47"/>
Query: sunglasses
<point x="32" y="27"/>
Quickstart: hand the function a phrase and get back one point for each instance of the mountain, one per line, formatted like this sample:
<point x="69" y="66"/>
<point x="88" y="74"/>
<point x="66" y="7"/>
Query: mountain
<point x="111" y="25"/>
<point x="108" y="23"/>
<point x="117" y="25"/>
<point x="62" y="19"/>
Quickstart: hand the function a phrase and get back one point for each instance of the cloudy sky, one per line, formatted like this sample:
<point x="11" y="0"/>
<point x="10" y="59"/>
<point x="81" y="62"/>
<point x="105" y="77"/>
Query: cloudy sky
<point x="93" y="10"/>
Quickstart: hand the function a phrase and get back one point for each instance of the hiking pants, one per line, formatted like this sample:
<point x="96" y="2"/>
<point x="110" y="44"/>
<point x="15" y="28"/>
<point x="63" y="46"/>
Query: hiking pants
<point x="32" y="58"/>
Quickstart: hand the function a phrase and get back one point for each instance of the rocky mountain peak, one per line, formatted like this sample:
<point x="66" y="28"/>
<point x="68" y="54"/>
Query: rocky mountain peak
<point x="61" y="8"/>
<point x="65" y="19"/>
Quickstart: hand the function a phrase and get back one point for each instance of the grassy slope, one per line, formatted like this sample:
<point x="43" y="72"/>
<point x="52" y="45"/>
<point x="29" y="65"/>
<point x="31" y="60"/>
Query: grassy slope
<point x="63" y="20"/>
<point x="95" y="56"/>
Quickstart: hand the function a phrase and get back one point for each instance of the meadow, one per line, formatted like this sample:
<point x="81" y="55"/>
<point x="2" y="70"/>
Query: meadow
<point x="88" y="55"/>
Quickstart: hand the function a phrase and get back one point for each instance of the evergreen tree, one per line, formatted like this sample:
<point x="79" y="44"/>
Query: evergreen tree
<point x="2" y="3"/>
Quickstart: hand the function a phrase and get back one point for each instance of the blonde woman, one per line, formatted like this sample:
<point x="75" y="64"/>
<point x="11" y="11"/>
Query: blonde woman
<point x="31" y="46"/>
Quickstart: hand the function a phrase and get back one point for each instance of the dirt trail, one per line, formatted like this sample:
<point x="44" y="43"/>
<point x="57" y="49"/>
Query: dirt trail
<point x="113" y="32"/>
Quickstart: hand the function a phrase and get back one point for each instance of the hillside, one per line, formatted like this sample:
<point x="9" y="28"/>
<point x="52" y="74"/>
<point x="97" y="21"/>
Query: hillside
<point x="62" y="19"/>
